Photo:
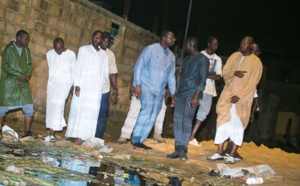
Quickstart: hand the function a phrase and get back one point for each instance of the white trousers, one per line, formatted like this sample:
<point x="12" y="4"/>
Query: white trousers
<point x="132" y="115"/>
<point x="233" y="129"/>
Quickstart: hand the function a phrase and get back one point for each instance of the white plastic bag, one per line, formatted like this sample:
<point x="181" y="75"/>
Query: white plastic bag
<point x="8" y="130"/>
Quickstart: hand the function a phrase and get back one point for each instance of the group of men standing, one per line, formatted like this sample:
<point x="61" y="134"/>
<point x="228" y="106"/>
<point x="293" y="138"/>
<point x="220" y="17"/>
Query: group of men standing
<point x="154" y="74"/>
<point x="90" y="75"/>
<point x="86" y="77"/>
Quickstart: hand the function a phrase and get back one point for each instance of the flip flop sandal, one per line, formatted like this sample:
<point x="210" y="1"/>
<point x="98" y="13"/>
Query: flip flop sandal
<point x="215" y="157"/>
<point x="49" y="138"/>
<point x="230" y="160"/>
<point x="235" y="158"/>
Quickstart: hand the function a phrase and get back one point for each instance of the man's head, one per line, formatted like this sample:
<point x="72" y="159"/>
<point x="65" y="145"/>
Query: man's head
<point x="105" y="41"/>
<point x="246" y="45"/>
<point x="59" y="45"/>
<point x="167" y="38"/>
<point x="96" y="39"/>
<point x="22" y="38"/>
<point x="255" y="49"/>
<point x="190" y="45"/>
<point x="212" y="44"/>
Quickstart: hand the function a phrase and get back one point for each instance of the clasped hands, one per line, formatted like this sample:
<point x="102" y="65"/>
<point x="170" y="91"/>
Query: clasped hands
<point x="22" y="79"/>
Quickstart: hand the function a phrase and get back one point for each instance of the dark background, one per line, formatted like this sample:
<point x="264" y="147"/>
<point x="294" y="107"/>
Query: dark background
<point x="272" y="23"/>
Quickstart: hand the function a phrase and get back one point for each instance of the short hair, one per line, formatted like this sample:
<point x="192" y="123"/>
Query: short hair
<point x="210" y="39"/>
<point x="57" y="40"/>
<point x="250" y="38"/>
<point x="193" y="40"/>
<point x="21" y="33"/>
<point x="96" y="32"/>
<point x="165" y="32"/>
<point x="106" y="35"/>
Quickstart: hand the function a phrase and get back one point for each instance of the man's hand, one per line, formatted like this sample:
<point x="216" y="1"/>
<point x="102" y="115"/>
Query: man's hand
<point x="194" y="102"/>
<point x="72" y="89"/>
<point x="234" y="99"/>
<point x="167" y="94"/>
<point x="131" y="91"/>
<point x="240" y="74"/>
<point x="138" y="91"/>
<point x="77" y="91"/>
<point x="22" y="79"/>
<point x="256" y="104"/>
<point x="114" y="96"/>
<point x="173" y="101"/>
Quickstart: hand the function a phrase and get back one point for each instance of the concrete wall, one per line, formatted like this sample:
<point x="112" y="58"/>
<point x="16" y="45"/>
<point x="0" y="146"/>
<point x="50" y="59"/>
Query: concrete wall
<point x="74" y="21"/>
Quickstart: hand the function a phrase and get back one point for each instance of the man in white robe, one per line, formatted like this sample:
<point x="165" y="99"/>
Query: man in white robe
<point x="61" y="62"/>
<point x="91" y="73"/>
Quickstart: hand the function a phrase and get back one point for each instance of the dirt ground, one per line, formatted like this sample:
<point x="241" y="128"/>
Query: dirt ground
<point x="286" y="165"/>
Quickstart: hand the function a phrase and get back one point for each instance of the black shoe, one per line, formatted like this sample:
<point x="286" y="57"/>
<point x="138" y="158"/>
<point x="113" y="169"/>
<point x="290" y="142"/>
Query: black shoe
<point x="141" y="146"/>
<point x="174" y="155"/>
<point x="29" y="133"/>
<point x="183" y="155"/>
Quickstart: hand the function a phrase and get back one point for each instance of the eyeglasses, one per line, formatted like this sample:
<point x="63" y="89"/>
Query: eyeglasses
<point x="171" y="37"/>
<point x="256" y="52"/>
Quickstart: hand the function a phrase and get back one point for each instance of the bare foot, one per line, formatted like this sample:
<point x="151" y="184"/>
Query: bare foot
<point x="78" y="141"/>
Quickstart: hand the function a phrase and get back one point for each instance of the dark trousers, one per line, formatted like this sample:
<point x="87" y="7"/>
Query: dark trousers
<point x="102" y="115"/>
<point x="183" y="122"/>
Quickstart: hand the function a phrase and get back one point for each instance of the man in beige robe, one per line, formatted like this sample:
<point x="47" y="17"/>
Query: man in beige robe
<point x="241" y="74"/>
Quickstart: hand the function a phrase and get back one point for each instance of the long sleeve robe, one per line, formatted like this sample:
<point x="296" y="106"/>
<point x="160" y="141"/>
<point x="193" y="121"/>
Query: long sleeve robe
<point x="58" y="87"/>
<point x="244" y="87"/>
<point x="91" y="73"/>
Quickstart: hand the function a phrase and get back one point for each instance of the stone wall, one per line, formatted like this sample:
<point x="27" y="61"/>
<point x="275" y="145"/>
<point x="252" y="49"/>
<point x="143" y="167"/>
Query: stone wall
<point x="74" y="21"/>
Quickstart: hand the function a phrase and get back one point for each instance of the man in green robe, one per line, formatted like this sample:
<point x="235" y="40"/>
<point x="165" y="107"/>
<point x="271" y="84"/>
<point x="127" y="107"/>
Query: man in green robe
<point x="16" y="70"/>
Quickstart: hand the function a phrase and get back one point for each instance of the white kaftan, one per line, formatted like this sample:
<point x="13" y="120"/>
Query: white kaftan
<point x="91" y="73"/>
<point x="58" y="88"/>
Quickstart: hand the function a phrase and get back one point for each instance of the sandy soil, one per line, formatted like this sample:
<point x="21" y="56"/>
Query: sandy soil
<point x="286" y="165"/>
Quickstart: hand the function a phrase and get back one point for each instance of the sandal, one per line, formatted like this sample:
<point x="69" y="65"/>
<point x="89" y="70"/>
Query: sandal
<point x="236" y="158"/>
<point x="215" y="157"/>
<point x="64" y="139"/>
<point x="49" y="138"/>
<point x="230" y="160"/>
<point x="29" y="133"/>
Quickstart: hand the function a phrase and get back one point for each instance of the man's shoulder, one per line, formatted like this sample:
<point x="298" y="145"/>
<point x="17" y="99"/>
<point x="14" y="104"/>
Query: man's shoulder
<point x="84" y="46"/>
<point x="71" y="52"/>
<point x="50" y="52"/>
<point x="218" y="58"/>
<point x="256" y="59"/>
<point x="236" y="53"/>
<point x="9" y="45"/>
<point x="201" y="56"/>
<point x="109" y="52"/>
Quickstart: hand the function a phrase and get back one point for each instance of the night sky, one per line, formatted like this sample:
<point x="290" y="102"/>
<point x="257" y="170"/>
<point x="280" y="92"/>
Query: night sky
<point x="273" y="23"/>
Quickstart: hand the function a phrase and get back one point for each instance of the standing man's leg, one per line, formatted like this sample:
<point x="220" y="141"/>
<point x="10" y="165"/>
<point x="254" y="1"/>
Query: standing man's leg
<point x="147" y="102"/>
<point x="1" y="125"/>
<point x="189" y="113"/>
<point x="233" y="129"/>
<point x="156" y="109"/>
<point x="102" y="115"/>
<point x="28" y="111"/>
<point x="203" y="111"/>
<point x="3" y="111"/>
<point x="178" y="122"/>
<point x="132" y="115"/>
<point x="158" y="129"/>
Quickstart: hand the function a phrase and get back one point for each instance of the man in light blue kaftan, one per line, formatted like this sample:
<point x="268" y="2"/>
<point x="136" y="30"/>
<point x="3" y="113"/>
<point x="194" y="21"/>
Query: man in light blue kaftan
<point x="153" y="71"/>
